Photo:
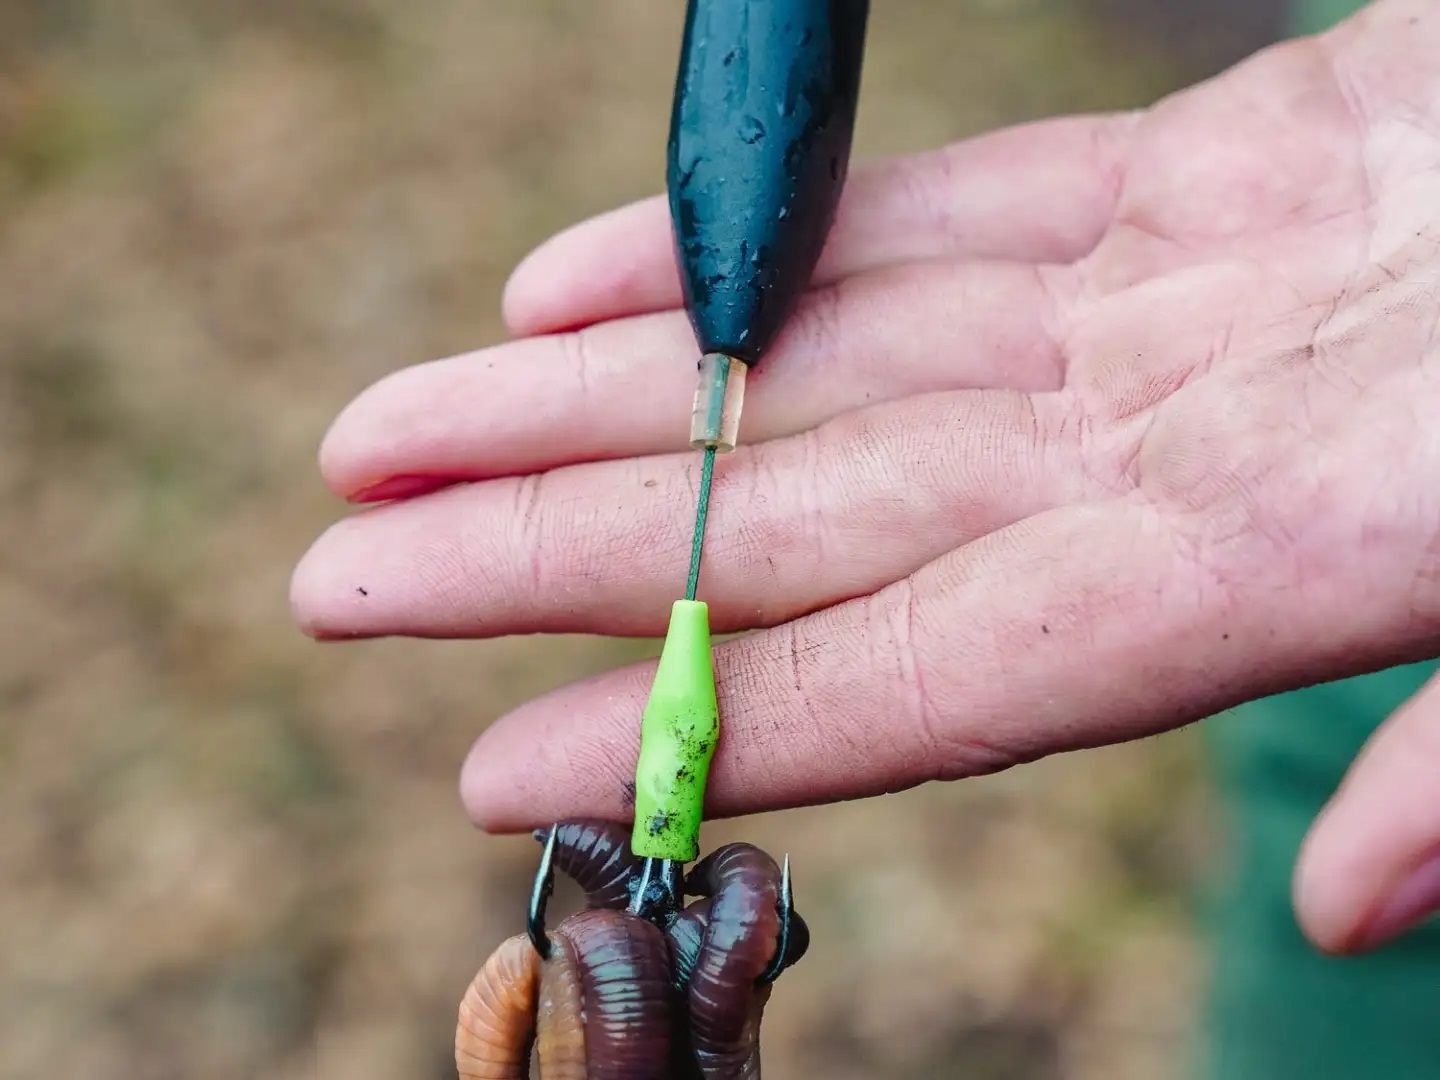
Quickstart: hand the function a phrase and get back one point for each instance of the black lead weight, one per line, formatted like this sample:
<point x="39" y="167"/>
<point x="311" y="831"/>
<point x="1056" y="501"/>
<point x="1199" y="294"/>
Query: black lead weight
<point x="759" y="148"/>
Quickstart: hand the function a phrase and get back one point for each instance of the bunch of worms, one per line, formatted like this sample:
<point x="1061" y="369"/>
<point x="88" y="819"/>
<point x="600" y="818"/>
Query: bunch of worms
<point x="618" y="997"/>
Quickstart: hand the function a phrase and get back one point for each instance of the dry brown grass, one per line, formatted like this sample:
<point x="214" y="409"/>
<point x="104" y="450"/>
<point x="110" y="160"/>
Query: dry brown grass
<point x="231" y="853"/>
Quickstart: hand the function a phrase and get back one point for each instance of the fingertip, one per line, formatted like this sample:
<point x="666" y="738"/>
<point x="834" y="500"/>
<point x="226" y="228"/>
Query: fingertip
<point x="390" y="442"/>
<point x="1320" y="909"/>
<point x="523" y="299"/>
<point x="615" y="264"/>
<point x="311" y="588"/>
<point x="567" y="754"/>
<point x="332" y="598"/>
<point x="1342" y="879"/>
<point x="477" y="792"/>
<point x="1365" y="871"/>
<point x="341" y="455"/>
<point x="501" y="787"/>
<point x="301" y="611"/>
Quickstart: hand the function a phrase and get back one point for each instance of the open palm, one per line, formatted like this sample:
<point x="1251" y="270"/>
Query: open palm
<point x="1089" y="428"/>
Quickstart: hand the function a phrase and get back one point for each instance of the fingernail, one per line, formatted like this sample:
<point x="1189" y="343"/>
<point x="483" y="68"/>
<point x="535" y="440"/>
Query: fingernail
<point x="399" y="487"/>
<point x="1416" y="897"/>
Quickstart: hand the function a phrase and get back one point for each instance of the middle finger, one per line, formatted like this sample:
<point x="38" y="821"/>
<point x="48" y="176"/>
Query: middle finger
<point x="797" y="524"/>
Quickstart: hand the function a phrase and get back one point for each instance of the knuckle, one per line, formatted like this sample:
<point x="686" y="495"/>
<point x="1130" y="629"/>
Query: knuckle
<point x="778" y="510"/>
<point x="820" y="320"/>
<point x="579" y="353"/>
<point x="929" y="182"/>
<point x="1106" y="454"/>
<point x="903" y="653"/>
<point x="890" y="636"/>
<point x="532" y="532"/>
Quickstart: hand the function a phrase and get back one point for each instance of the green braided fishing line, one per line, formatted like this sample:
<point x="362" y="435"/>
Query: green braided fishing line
<point x="697" y="544"/>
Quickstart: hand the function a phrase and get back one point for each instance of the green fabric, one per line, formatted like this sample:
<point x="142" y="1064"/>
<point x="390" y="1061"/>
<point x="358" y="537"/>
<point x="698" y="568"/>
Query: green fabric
<point x="1312" y="16"/>
<point x="1279" y="1010"/>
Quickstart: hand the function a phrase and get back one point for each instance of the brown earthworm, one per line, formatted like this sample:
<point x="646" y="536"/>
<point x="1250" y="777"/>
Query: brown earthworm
<point x="625" y="964"/>
<point x="497" y="1016"/>
<point x="687" y="936"/>
<point x="615" y="996"/>
<point x="596" y="856"/>
<point x="560" y="1018"/>
<point x="598" y="1009"/>
<point x="738" y="925"/>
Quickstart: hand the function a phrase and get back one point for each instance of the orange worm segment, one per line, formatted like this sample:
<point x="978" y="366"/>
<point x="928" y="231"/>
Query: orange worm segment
<point x="560" y="1024"/>
<point x="496" y="1025"/>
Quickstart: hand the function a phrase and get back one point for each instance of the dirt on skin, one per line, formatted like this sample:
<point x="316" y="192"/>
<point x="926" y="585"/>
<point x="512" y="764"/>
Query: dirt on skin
<point x="229" y="852"/>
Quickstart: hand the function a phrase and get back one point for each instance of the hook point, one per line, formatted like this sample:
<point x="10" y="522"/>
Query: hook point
<point x="540" y="896"/>
<point x="785" y="905"/>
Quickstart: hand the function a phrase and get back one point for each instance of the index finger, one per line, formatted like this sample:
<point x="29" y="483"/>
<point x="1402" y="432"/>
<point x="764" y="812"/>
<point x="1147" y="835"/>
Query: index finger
<point x="1042" y="192"/>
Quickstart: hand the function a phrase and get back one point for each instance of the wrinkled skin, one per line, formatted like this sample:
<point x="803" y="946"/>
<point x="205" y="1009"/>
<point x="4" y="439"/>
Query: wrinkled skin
<point x="1090" y="428"/>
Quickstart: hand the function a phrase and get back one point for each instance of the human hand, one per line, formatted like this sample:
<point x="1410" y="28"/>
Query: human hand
<point x="1091" y="428"/>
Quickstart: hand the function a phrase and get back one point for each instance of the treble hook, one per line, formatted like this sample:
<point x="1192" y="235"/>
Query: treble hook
<point x="540" y="897"/>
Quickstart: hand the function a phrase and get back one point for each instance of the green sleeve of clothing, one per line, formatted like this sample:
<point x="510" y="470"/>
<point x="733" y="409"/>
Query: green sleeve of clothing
<point x="1313" y="16"/>
<point x="1279" y="1010"/>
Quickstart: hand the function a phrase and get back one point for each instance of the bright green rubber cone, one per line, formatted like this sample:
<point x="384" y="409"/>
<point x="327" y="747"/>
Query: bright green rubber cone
<point x="677" y="740"/>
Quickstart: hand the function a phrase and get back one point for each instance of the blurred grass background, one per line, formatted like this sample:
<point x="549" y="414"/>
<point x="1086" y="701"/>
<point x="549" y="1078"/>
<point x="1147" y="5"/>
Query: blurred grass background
<point x="228" y="852"/>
